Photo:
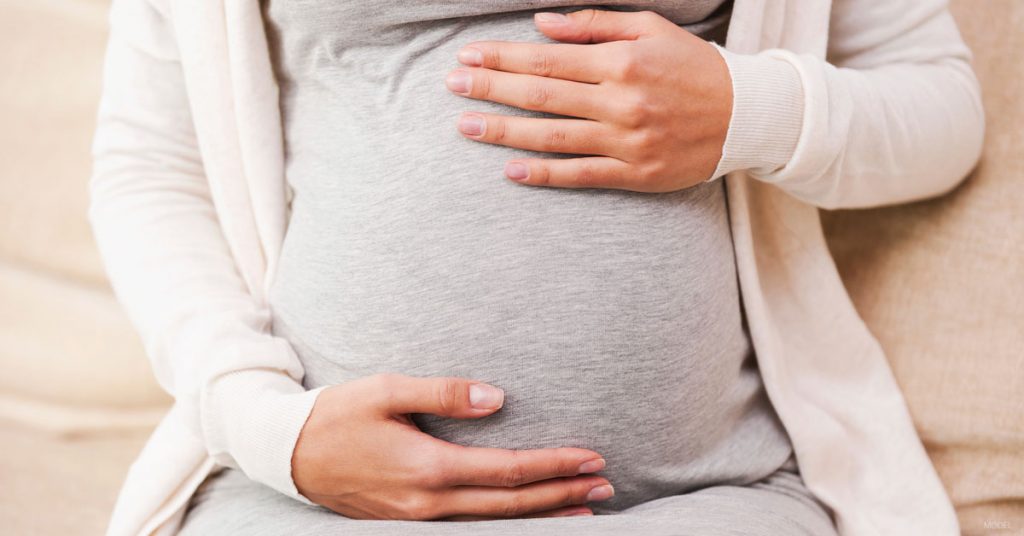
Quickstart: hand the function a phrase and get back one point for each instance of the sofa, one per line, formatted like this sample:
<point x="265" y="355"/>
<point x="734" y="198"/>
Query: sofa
<point x="940" y="283"/>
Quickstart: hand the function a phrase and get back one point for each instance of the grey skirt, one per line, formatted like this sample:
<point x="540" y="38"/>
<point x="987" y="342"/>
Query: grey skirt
<point x="228" y="503"/>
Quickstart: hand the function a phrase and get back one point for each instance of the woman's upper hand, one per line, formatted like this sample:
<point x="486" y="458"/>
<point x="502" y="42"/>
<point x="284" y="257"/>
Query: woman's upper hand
<point x="653" y="101"/>
<point x="360" y="455"/>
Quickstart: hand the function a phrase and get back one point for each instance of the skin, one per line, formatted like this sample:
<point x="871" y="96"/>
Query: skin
<point x="648" y="106"/>
<point x="648" y="103"/>
<point x="381" y="466"/>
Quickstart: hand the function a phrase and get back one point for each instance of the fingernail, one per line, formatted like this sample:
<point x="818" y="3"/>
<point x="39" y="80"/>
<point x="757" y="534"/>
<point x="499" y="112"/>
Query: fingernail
<point x="459" y="81"/>
<point x="471" y="125"/>
<point x="482" y="396"/>
<point x="592" y="466"/>
<point x="517" y="171"/>
<point x="552" y="18"/>
<point x="601" y="493"/>
<point x="471" y="56"/>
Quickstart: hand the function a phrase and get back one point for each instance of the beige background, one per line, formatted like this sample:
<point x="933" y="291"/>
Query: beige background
<point x="941" y="283"/>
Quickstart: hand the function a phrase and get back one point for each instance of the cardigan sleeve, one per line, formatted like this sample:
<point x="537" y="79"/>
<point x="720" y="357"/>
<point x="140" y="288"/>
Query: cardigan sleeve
<point x="171" y="268"/>
<point x="892" y="114"/>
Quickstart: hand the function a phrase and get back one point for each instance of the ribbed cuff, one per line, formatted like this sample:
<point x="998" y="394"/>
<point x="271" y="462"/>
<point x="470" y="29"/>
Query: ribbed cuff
<point x="252" y="419"/>
<point x="767" y="112"/>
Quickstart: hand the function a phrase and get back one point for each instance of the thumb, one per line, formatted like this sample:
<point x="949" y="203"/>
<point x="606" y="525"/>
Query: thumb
<point x="598" y="25"/>
<point x="446" y="396"/>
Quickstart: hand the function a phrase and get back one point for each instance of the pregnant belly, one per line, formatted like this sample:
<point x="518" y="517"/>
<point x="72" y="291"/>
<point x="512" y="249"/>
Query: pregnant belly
<point x="611" y="320"/>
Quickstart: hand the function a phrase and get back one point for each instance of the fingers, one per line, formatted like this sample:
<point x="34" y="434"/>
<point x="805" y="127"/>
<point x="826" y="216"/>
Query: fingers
<point x="523" y="500"/>
<point x="557" y="512"/>
<point x="581" y="63"/>
<point x="576" y="136"/>
<point x="586" y="172"/>
<point x="530" y="92"/>
<point x="597" y="25"/>
<point x="446" y="396"/>
<point x="483" y="466"/>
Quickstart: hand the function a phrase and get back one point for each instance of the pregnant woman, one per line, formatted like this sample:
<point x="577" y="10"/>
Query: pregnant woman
<point x="407" y="264"/>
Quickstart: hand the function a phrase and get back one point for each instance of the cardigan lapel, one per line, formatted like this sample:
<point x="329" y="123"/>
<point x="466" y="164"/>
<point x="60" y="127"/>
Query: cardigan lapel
<point x="260" y="132"/>
<point x="777" y="238"/>
<point x="220" y="58"/>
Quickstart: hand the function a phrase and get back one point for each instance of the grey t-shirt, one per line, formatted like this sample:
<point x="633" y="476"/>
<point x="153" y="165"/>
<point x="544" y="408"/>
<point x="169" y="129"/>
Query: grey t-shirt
<point x="611" y="319"/>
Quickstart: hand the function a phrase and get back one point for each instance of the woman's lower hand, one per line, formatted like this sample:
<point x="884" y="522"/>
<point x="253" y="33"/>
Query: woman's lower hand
<point x="654" y="101"/>
<point x="360" y="455"/>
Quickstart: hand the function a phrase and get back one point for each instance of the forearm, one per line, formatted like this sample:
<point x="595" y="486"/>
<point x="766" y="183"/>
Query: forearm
<point x="166" y="256"/>
<point x="892" y="118"/>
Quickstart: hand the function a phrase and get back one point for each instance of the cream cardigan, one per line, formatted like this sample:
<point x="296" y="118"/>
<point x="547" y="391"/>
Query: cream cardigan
<point x="189" y="207"/>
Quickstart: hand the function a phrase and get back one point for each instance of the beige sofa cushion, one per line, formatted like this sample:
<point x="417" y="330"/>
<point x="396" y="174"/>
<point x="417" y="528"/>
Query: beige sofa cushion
<point x="941" y="283"/>
<point x="69" y="359"/>
<point x="52" y="61"/>
<point x="61" y="485"/>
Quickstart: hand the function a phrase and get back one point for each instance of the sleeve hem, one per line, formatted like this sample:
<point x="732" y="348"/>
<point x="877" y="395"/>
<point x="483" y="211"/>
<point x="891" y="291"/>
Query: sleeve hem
<point x="254" y="418"/>
<point x="767" y="113"/>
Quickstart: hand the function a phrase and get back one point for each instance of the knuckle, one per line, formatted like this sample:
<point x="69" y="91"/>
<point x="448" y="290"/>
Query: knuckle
<point x="493" y="58"/>
<point x="513" y="474"/>
<point x="651" y="171"/>
<point x="644" y="141"/>
<point x="590" y="17"/>
<point x="586" y="176"/>
<point x="383" y="379"/>
<point x="419" y="506"/>
<point x="575" y="494"/>
<point x="538" y="95"/>
<point x="482" y="85"/>
<point x="540" y="175"/>
<point x="567" y="465"/>
<point x="554" y="139"/>
<point x="383" y="383"/>
<point x="628" y="65"/>
<point x="499" y="129"/>
<point x="429" y="470"/>
<point x="541" y="63"/>
<point x="449" y="393"/>
<point x="636" y="111"/>
<point x="516" y="505"/>
<point x="650" y="16"/>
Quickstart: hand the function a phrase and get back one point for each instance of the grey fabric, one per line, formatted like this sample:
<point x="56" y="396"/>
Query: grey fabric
<point x="230" y="503"/>
<point x="611" y="319"/>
